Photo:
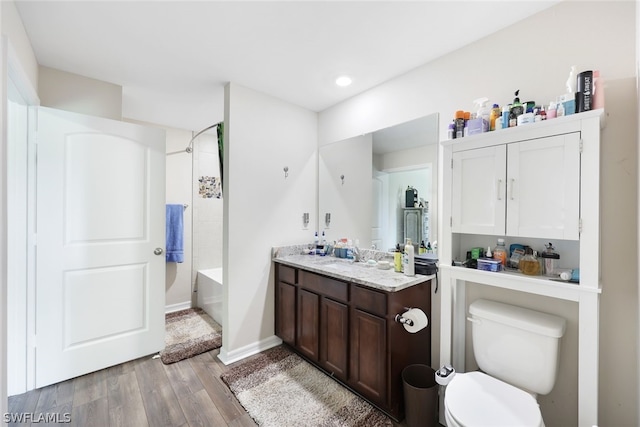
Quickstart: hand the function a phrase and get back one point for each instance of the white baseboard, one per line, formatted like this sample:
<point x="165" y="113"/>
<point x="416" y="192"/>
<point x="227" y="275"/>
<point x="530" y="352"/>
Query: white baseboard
<point x="228" y="357"/>
<point x="177" y="307"/>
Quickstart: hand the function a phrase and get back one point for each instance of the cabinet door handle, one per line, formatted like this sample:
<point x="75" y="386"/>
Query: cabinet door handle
<point x="511" y="189"/>
<point x="499" y="189"/>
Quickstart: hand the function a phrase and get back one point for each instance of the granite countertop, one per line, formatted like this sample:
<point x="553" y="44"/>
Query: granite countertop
<point x="355" y="272"/>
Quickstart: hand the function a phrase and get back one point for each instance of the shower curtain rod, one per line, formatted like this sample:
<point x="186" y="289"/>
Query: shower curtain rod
<point x="189" y="149"/>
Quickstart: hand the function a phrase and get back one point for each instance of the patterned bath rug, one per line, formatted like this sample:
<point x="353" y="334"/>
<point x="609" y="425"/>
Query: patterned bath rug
<point x="188" y="333"/>
<point x="278" y="388"/>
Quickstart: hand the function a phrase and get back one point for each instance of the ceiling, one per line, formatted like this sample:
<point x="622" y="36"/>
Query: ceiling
<point x="173" y="58"/>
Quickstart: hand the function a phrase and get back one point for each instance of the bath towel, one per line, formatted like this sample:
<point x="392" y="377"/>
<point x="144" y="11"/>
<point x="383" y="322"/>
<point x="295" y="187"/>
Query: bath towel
<point x="175" y="233"/>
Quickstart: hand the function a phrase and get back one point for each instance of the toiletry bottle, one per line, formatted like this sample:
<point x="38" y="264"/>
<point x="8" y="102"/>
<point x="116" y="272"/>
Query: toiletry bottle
<point x="529" y="264"/>
<point x="429" y="248"/>
<point x="408" y="259"/>
<point x="496" y="112"/>
<point x="505" y="116"/>
<point x="451" y="131"/>
<point x="467" y="116"/>
<point x="315" y="243"/>
<point x="500" y="252"/>
<point x="459" y="124"/>
<point x="488" y="252"/>
<point x="422" y="249"/>
<point x="484" y="113"/>
<point x="551" y="111"/>
<point x="397" y="259"/>
<point x="598" y="90"/>
<point x="517" y="110"/>
<point x="560" y="109"/>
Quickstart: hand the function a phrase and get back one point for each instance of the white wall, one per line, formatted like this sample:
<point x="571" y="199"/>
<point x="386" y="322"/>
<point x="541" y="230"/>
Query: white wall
<point x="4" y="407"/>
<point x="539" y="69"/>
<point x="13" y="29"/>
<point x="16" y="40"/>
<point x="353" y="160"/>
<point x="262" y="208"/>
<point x="72" y="92"/>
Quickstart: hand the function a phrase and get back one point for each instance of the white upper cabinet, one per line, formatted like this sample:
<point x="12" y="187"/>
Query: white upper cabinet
<point x="543" y="187"/>
<point x="478" y="193"/>
<point x="524" y="189"/>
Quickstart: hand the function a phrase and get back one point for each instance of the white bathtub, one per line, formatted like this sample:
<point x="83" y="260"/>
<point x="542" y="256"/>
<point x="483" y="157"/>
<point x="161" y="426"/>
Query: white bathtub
<point x="210" y="292"/>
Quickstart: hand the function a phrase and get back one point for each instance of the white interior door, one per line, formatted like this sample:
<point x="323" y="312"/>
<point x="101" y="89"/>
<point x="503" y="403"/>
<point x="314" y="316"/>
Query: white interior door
<point x="100" y="288"/>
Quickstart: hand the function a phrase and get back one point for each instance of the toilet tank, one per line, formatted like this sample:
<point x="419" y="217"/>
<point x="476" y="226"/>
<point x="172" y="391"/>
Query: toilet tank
<point x="517" y="345"/>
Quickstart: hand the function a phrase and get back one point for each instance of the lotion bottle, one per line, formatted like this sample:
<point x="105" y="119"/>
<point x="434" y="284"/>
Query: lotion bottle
<point x="408" y="259"/>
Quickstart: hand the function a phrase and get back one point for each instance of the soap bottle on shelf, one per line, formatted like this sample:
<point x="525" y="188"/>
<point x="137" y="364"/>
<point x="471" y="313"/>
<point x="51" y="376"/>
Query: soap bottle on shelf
<point x="422" y="249"/>
<point x="529" y="265"/>
<point x="408" y="261"/>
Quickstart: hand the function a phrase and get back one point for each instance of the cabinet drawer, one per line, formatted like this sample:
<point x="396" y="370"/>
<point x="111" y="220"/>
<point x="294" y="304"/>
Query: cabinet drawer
<point x="369" y="300"/>
<point x="286" y="274"/>
<point x="323" y="285"/>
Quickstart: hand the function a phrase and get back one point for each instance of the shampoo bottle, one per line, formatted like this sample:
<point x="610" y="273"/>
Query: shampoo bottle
<point x="496" y="112"/>
<point x="408" y="259"/>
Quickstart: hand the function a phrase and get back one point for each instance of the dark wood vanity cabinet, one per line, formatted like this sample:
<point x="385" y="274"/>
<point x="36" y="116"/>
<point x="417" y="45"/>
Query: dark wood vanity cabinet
<point x="368" y="359"/>
<point x="286" y="294"/>
<point x="349" y="331"/>
<point x="334" y="337"/>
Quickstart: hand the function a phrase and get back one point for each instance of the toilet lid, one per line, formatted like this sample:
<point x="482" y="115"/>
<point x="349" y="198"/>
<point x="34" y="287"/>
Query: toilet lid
<point x="476" y="399"/>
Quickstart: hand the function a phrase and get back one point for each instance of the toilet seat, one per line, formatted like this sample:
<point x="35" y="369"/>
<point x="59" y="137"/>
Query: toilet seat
<point x="475" y="399"/>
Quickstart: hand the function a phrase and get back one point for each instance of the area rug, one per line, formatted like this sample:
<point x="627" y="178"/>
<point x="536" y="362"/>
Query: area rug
<point x="188" y="333"/>
<point x="278" y="388"/>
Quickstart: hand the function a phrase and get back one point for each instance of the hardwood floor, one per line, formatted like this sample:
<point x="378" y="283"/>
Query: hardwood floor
<point x="143" y="392"/>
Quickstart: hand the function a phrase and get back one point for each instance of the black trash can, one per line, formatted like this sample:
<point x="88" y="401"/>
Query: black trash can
<point x="420" y="396"/>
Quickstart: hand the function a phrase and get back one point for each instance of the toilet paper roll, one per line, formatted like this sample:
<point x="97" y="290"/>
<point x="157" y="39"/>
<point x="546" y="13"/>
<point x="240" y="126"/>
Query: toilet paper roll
<point x="419" y="318"/>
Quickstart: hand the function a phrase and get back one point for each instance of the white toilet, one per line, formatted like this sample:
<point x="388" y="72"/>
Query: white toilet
<point x="517" y="351"/>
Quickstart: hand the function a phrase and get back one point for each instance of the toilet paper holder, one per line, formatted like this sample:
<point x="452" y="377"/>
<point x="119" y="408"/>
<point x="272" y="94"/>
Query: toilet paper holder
<point x="401" y="319"/>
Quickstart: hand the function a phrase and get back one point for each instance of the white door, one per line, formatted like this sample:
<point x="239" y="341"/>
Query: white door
<point x="543" y="195"/>
<point x="478" y="193"/>
<point x="100" y="216"/>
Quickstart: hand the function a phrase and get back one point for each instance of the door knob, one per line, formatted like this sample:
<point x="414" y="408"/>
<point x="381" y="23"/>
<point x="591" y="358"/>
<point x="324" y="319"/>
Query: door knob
<point x="158" y="251"/>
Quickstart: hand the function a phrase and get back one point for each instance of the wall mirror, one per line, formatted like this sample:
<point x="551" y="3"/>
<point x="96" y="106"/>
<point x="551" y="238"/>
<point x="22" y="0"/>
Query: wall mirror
<point x="363" y="182"/>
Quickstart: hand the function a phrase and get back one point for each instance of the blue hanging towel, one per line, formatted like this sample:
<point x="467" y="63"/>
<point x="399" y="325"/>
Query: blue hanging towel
<point x="175" y="233"/>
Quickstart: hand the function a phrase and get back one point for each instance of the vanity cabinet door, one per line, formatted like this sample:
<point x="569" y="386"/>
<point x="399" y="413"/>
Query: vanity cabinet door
<point x="286" y="313"/>
<point x="307" y="336"/>
<point x="368" y="360"/>
<point x="334" y="337"/>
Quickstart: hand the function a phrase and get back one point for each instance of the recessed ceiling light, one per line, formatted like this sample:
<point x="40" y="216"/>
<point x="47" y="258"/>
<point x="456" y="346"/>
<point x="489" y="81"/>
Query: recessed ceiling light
<point x="343" y="81"/>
